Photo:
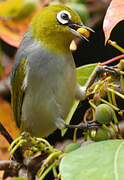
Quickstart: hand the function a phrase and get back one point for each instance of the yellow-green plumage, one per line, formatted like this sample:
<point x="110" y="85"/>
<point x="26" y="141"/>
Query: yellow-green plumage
<point x="18" y="92"/>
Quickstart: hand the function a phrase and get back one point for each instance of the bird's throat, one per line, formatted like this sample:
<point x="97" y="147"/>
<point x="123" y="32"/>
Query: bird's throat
<point x="57" y="42"/>
<point x="58" y="45"/>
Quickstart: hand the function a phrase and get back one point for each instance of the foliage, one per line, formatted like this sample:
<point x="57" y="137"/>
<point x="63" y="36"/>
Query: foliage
<point x="101" y="160"/>
<point x="114" y="15"/>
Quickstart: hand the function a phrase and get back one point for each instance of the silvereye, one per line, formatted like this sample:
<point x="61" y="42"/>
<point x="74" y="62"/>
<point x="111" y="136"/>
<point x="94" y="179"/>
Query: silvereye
<point x="43" y="78"/>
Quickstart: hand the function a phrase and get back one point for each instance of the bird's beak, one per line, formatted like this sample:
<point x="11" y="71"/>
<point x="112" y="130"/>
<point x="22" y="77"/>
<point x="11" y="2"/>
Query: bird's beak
<point x="80" y="30"/>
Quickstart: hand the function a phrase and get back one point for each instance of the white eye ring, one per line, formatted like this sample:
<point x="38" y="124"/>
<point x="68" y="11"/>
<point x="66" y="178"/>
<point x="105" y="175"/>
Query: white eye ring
<point x="63" y="17"/>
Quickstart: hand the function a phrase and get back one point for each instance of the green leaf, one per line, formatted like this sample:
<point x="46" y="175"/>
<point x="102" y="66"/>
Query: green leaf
<point x="98" y="161"/>
<point x="84" y="73"/>
<point x="83" y="76"/>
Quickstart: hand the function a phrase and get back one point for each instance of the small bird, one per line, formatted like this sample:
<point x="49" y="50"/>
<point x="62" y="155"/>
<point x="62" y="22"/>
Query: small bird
<point x="43" y="78"/>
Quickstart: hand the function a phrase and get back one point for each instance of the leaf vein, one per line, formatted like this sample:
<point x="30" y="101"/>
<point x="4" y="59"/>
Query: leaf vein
<point x="115" y="161"/>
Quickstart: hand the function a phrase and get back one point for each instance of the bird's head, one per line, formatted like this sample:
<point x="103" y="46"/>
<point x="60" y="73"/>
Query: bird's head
<point x="56" y="26"/>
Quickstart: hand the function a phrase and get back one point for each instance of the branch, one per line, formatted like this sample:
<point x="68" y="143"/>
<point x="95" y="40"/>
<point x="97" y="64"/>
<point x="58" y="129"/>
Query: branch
<point x="9" y="165"/>
<point x="4" y="132"/>
<point x="35" y="163"/>
<point x="18" y="154"/>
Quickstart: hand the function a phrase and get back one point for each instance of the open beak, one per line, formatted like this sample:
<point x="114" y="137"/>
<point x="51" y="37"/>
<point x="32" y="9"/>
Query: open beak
<point x="80" y="30"/>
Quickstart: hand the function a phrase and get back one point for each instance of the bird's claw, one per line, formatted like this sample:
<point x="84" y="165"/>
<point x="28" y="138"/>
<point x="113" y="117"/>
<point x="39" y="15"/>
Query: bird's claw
<point x="106" y="69"/>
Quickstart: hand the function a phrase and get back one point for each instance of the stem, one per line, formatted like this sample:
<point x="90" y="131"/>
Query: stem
<point x="75" y="135"/>
<point x="17" y="146"/>
<point x="106" y="102"/>
<point x="113" y="98"/>
<point x="14" y="142"/>
<point x="55" y="172"/>
<point x="109" y="97"/>
<point x="120" y="72"/>
<point x="113" y="127"/>
<point x="55" y="154"/>
<point x="92" y="104"/>
<point x="122" y="81"/>
<point x="109" y="131"/>
<point x="115" y="45"/>
<point x="112" y="60"/>
<point x="88" y="136"/>
<point x="115" y="119"/>
<point x="47" y="143"/>
<point x="59" y="176"/>
<point x="35" y="143"/>
<point x="116" y="92"/>
<point x="48" y="170"/>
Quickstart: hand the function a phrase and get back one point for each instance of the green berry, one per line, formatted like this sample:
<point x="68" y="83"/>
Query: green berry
<point x="100" y="134"/>
<point x="71" y="147"/>
<point x="104" y="113"/>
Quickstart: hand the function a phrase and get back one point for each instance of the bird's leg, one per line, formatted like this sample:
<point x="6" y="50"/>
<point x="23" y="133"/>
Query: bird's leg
<point x="83" y="126"/>
<point x="80" y="93"/>
<point x="60" y="123"/>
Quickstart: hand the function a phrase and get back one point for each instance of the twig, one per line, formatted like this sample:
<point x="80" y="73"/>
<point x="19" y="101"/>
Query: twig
<point x="114" y="44"/>
<point x="4" y="132"/>
<point x="9" y="165"/>
<point x="112" y="60"/>
<point x="18" y="154"/>
<point x="35" y="163"/>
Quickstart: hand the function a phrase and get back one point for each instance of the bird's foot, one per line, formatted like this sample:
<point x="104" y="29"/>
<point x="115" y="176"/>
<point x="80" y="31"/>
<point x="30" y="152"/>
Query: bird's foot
<point x="60" y="123"/>
<point x="84" y="126"/>
<point x="100" y="70"/>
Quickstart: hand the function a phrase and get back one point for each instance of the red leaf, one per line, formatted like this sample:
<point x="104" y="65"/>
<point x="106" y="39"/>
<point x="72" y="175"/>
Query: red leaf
<point x="114" y="15"/>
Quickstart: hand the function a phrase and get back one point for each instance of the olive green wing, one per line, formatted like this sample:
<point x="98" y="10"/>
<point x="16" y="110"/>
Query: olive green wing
<point x="17" y="91"/>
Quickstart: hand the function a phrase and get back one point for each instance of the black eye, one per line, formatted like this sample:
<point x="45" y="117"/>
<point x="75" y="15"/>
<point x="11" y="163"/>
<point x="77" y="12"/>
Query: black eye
<point x="63" y="17"/>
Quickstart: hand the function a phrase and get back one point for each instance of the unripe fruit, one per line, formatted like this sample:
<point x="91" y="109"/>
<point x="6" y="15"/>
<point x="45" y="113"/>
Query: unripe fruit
<point x="71" y="147"/>
<point x="100" y="134"/>
<point x="104" y="113"/>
